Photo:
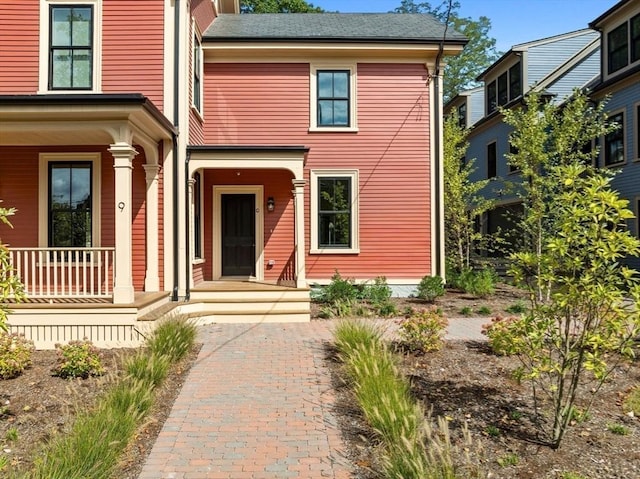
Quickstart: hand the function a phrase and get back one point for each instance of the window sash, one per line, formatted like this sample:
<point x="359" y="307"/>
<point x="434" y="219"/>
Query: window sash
<point x="333" y="100"/>
<point x="197" y="69"/>
<point x="491" y="97"/>
<point x="618" y="48"/>
<point x="503" y="94"/>
<point x="462" y="115"/>
<point x="635" y="38"/>
<point x="71" y="47"/>
<point x="334" y="212"/>
<point x="70" y="211"/>
<point x="515" y="81"/>
<point x="614" y="142"/>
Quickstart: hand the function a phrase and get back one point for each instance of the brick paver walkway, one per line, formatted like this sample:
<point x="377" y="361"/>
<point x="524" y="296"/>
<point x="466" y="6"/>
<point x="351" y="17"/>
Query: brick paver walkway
<point x="257" y="404"/>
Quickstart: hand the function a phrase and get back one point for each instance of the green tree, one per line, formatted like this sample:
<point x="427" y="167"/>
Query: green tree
<point x="462" y="203"/>
<point x="461" y="70"/>
<point x="546" y="135"/>
<point x="10" y="286"/>
<point x="585" y="306"/>
<point x="278" y="6"/>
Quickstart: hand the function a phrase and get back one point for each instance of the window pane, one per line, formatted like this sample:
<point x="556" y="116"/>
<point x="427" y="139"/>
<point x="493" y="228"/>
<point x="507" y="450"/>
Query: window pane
<point x="61" y="69"/>
<point x="81" y="69"/>
<point x="635" y="38"/>
<point x="61" y="27"/>
<point x="325" y="112"/>
<point x="325" y="85"/>
<point x="341" y="85"/>
<point x="492" y="167"/>
<point x="341" y="112"/>
<point x="81" y="27"/>
<point x="614" y="142"/>
<point x="502" y="89"/>
<point x="491" y="97"/>
<point x="515" y="83"/>
<point x="70" y="208"/>
<point x="334" y="230"/>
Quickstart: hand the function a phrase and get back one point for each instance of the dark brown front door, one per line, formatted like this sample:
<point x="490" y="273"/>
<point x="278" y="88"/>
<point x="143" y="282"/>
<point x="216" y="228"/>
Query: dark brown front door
<point x="238" y="235"/>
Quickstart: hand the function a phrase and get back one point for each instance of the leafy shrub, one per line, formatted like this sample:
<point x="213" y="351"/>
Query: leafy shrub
<point x="503" y="335"/>
<point x="78" y="359"/>
<point x="480" y="283"/>
<point x="423" y="331"/>
<point x="378" y="293"/>
<point x="387" y="309"/>
<point x="484" y="310"/>
<point x="466" y="311"/>
<point x="339" y="290"/>
<point x="430" y="288"/>
<point x="15" y="354"/>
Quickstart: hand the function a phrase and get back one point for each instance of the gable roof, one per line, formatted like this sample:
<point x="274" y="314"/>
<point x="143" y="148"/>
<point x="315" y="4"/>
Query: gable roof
<point x="331" y="27"/>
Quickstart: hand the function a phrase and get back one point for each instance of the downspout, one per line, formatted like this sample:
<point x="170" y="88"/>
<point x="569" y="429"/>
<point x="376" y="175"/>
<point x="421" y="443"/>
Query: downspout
<point x="438" y="151"/>
<point x="176" y="124"/>
<point x="187" y="213"/>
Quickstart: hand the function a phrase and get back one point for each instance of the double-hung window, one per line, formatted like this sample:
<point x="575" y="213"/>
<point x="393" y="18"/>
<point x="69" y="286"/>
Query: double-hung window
<point x="334" y="211"/>
<point x="71" y="47"/>
<point x="333" y="103"/>
<point x="618" y="48"/>
<point x="197" y="74"/>
<point x="614" y="142"/>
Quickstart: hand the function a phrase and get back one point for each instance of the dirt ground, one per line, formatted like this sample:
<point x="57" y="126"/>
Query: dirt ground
<point x="463" y="382"/>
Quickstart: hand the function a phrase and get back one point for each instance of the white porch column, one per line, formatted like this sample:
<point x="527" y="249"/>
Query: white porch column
<point x="123" y="154"/>
<point x="298" y="199"/>
<point x="151" y="279"/>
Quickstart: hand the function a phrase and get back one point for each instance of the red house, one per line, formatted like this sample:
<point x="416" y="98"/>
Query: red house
<point x="178" y="155"/>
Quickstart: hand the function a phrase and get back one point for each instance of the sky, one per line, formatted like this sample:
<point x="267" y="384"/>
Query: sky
<point x="512" y="21"/>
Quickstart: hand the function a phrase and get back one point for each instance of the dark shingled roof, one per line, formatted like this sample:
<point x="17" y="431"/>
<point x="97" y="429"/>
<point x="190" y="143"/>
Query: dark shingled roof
<point x="331" y="27"/>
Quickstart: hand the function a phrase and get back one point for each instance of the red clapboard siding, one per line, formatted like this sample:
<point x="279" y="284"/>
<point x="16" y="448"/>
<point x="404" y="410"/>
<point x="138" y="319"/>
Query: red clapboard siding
<point x="269" y="104"/>
<point x="132" y="48"/>
<point x="278" y="225"/>
<point x="19" y="38"/>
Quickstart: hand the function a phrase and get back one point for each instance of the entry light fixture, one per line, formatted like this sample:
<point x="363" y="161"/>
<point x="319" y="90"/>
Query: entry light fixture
<point x="271" y="204"/>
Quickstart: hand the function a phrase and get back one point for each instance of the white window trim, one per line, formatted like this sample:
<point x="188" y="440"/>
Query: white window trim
<point x="355" y="212"/>
<point x="624" y="141"/>
<point x="96" y="82"/>
<point x="196" y="259"/>
<point x="196" y="36"/>
<point x="352" y="67"/>
<point x="43" y="193"/>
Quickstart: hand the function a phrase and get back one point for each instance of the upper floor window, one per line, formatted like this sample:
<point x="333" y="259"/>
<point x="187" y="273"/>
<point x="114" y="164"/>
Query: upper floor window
<point x="515" y="82"/>
<point x="638" y="131"/>
<point x="333" y="102"/>
<point x="197" y="74"/>
<point x="462" y="115"/>
<point x="492" y="160"/>
<point x="505" y="88"/>
<point x="635" y="38"/>
<point x="71" y="47"/>
<point x="618" y="48"/>
<point x="614" y="142"/>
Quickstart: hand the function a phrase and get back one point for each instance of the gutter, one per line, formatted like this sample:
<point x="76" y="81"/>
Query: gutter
<point x="176" y="124"/>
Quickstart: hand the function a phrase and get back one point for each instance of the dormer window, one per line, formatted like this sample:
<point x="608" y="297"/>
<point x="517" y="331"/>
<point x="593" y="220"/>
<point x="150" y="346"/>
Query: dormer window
<point x="505" y="88"/>
<point x="462" y="116"/>
<point x="623" y="45"/>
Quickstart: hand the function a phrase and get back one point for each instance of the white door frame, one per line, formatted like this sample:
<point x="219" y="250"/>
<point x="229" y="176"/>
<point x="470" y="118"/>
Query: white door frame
<point x="258" y="192"/>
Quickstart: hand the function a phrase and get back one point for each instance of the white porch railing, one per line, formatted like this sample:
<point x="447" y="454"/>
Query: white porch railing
<point x="64" y="272"/>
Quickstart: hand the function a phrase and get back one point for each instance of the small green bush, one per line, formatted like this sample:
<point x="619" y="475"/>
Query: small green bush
<point x="480" y="283"/>
<point x="339" y="290"/>
<point x="618" y="429"/>
<point x="378" y="293"/>
<point x="423" y="331"/>
<point x="78" y="359"/>
<point x="503" y="335"/>
<point x="466" y="311"/>
<point x="387" y="309"/>
<point x="15" y="355"/>
<point x="517" y="308"/>
<point x="430" y="288"/>
<point x="484" y="310"/>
